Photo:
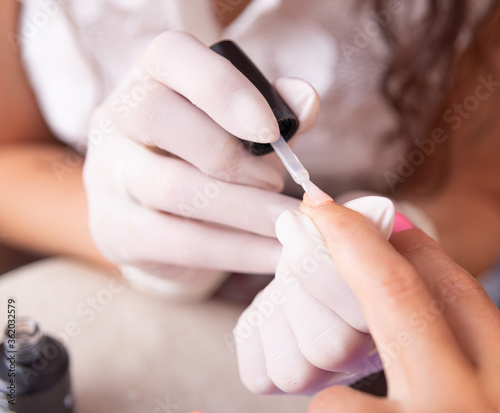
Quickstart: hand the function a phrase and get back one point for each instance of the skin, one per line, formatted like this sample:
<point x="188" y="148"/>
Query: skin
<point x="58" y="225"/>
<point x="466" y="210"/>
<point x="28" y="152"/>
<point x="440" y="324"/>
<point x="227" y="12"/>
<point x="31" y="158"/>
<point x="463" y="338"/>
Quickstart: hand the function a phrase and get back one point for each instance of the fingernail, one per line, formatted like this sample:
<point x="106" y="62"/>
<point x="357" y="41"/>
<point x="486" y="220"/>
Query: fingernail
<point x="307" y="201"/>
<point x="401" y="223"/>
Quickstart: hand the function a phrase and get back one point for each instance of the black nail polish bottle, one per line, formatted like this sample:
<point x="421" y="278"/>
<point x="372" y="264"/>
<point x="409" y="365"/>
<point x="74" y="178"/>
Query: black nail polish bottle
<point x="34" y="372"/>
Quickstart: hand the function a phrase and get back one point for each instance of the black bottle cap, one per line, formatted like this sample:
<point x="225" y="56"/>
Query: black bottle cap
<point x="287" y="121"/>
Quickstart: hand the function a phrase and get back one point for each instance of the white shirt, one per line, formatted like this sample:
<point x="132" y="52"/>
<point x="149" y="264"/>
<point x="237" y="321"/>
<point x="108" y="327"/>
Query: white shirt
<point x="77" y="51"/>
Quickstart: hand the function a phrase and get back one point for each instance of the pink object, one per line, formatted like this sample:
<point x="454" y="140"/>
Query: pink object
<point x="401" y="223"/>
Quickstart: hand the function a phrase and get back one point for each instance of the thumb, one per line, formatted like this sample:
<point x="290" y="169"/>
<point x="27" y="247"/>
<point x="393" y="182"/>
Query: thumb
<point x="302" y="99"/>
<point x="341" y="399"/>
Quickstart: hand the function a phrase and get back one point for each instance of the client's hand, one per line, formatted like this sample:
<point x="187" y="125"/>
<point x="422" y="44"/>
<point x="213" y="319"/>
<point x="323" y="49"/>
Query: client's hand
<point x="436" y="330"/>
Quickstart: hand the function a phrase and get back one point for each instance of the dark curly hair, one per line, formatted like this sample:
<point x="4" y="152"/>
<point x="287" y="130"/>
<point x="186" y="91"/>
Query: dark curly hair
<point x="422" y="74"/>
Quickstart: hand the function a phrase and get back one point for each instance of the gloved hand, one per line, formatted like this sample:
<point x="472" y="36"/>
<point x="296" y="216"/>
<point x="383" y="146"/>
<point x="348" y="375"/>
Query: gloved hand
<point x="305" y="330"/>
<point x="171" y="189"/>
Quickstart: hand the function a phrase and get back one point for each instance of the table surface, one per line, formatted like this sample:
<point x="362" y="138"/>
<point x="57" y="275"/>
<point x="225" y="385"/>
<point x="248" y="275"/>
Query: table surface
<point x="134" y="353"/>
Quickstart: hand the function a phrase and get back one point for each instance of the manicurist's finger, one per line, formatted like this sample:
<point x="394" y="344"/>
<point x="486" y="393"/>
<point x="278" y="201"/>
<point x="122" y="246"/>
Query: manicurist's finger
<point x="310" y="263"/>
<point x="213" y="84"/>
<point x="286" y="366"/>
<point x="302" y="99"/>
<point x="166" y="120"/>
<point x="147" y="237"/>
<point x="175" y="187"/>
<point x="251" y="356"/>
<point x="323" y="337"/>
<point x="310" y="266"/>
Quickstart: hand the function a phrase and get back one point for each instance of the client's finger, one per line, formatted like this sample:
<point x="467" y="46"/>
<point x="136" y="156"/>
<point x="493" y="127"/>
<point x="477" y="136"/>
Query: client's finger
<point x="341" y="399"/>
<point x="473" y="317"/>
<point x="390" y="293"/>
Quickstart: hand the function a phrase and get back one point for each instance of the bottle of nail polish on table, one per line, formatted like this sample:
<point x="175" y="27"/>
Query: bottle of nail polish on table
<point x="34" y="371"/>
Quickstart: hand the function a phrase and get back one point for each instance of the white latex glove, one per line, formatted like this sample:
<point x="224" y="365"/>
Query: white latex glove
<point x="170" y="187"/>
<point x="305" y="330"/>
<point x="404" y="211"/>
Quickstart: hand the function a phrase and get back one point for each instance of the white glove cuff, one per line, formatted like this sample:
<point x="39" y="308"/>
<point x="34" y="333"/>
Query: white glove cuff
<point x="413" y="213"/>
<point x="418" y="218"/>
<point x="196" y="288"/>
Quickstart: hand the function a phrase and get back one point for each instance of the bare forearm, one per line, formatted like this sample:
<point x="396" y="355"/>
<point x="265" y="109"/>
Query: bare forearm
<point x="468" y="224"/>
<point x="42" y="203"/>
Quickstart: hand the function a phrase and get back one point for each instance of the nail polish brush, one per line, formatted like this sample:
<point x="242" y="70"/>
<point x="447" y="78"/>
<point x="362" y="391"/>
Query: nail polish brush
<point x="287" y="121"/>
